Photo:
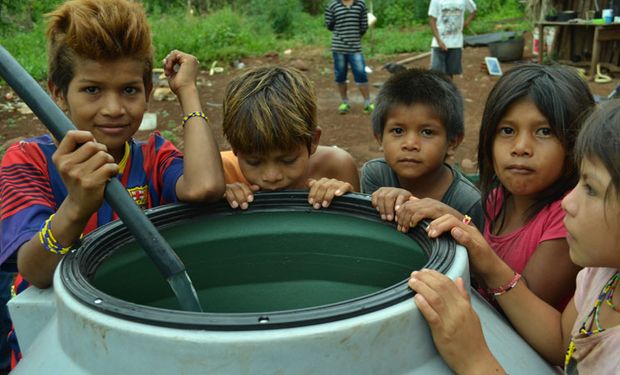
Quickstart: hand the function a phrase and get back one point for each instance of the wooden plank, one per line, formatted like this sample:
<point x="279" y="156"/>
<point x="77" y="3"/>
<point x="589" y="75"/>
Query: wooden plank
<point x="414" y="58"/>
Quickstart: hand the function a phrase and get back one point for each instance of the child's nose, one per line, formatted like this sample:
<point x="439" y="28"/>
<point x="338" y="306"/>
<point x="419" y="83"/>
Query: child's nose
<point x="112" y="105"/>
<point x="410" y="142"/>
<point x="522" y="145"/>
<point x="272" y="174"/>
<point x="568" y="202"/>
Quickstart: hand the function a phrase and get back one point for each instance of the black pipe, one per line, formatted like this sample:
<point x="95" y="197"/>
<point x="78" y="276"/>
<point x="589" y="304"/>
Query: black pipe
<point x="145" y="233"/>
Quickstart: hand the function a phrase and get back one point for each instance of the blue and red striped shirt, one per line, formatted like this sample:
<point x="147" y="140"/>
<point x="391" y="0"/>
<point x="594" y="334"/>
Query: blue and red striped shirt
<point x="31" y="189"/>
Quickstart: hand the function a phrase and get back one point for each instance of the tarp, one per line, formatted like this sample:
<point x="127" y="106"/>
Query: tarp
<point x="484" y="39"/>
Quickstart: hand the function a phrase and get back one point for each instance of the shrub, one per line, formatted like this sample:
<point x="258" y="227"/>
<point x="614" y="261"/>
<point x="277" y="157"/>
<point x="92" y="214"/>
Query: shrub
<point x="282" y="15"/>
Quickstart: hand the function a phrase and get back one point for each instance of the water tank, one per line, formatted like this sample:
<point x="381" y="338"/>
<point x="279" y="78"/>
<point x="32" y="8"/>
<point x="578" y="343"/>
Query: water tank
<point x="285" y="289"/>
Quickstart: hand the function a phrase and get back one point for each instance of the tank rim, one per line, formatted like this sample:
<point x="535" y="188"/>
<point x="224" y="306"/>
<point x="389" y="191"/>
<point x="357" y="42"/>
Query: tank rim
<point x="79" y="266"/>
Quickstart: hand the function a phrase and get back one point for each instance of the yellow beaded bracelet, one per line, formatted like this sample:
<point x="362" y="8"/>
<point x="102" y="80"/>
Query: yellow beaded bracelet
<point x="47" y="239"/>
<point x="194" y="114"/>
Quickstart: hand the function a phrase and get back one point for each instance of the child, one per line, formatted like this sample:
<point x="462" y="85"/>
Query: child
<point x="529" y="125"/>
<point x="100" y="63"/>
<point x="588" y="327"/>
<point x="446" y="21"/>
<point x="348" y="22"/>
<point x="270" y="122"/>
<point x="418" y="121"/>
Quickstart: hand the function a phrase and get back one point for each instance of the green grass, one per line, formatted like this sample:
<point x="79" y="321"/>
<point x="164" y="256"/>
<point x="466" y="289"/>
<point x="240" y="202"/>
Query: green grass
<point x="390" y="41"/>
<point x="28" y="48"/>
<point x="225" y="36"/>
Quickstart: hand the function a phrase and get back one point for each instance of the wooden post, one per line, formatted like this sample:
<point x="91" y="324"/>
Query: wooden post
<point x="596" y="50"/>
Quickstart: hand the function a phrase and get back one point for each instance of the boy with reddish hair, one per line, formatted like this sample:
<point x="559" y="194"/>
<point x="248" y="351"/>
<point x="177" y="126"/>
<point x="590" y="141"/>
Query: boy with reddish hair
<point x="100" y="58"/>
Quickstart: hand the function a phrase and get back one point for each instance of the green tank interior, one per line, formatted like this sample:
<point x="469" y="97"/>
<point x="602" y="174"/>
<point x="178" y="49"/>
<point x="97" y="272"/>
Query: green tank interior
<point x="267" y="261"/>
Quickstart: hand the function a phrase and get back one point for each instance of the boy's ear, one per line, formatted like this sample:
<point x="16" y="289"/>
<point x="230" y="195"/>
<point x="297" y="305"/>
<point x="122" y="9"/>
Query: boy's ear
<point x="315" y="140"/>
<point x="453" y="144"/>
<point x="57" y="95"/>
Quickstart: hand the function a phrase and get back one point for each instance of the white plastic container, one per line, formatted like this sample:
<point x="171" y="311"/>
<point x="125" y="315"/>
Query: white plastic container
<point x="608" y="15"/>
<point x="64" y="331"/>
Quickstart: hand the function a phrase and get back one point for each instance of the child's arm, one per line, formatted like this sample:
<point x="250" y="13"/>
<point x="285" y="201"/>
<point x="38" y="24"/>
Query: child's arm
<point x="388" y="200"/>
<point x="363" y="20"/>
<point x="330" y="20"/>
<point x="552" y="284"/>
<point x="454" y="324"/>
<point x="203" y="177"/>
<point x="470" y="18"/>
<point x="541" y="325"/>
<point x="432" y="21"/>
<point x="333" y="172"/>
<point x="85" y="167"/>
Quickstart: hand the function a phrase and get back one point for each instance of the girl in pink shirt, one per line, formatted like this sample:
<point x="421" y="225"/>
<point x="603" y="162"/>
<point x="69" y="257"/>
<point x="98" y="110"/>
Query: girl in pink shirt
<point x="530" y="122"/>
<point x="585" y="337"/>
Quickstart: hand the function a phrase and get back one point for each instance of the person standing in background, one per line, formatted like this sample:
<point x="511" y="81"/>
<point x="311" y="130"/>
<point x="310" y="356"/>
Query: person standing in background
<point x="447" y="21"/>
<point x="348" y="22"/>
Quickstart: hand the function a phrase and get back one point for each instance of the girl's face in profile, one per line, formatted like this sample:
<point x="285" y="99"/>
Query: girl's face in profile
<point x="527" y="155"/>
<point x="593" y="218"/>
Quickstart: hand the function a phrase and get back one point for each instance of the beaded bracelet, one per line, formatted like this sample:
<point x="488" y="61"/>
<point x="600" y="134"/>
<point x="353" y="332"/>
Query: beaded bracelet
<point x="194" y="114"/>
<point x="49" y="241"/>
<point x="496" y="292"/>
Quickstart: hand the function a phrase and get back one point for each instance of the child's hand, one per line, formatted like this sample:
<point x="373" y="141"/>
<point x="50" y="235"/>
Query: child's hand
<point x="85" y="167"/>
<point x="240" y="194"/>
<point x="387" y="200"/>
<point x="482" y="258"/>
<point x="181" y="69"/>
<point x="454" y="324"/>
<point x="409" y="214"/>
<point x="323" y="191"/>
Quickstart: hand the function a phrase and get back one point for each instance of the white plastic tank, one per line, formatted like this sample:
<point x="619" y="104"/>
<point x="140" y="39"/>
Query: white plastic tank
<point x="87" y="324"/>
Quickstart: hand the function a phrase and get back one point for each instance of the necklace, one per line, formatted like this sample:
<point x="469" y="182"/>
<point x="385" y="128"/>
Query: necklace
<point x="606" y="295"/>
<point x="613" y="283"/>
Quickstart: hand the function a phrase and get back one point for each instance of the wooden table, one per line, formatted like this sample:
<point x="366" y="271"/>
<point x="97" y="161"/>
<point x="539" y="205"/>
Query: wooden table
<point x="602" y="33"/>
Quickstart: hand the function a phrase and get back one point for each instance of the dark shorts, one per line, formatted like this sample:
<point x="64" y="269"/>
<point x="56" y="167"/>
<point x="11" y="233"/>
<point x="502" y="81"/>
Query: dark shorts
<point x="358" y="66"/>
<point x="448" y="62"/>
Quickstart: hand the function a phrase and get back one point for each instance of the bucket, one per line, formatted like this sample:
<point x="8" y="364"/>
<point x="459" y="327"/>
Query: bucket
<point x="285" y="289"/>
<point x="508" y="50"/>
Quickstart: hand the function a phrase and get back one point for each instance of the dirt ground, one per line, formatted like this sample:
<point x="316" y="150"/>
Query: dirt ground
<point x="351" y="131"/>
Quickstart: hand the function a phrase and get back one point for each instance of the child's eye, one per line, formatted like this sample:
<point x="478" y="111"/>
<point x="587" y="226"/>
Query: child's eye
<point x="91" y="89"/>
<point x="131" y="90"/>
<point x="544" y="132"/>
<point x="397" y="131"/>
<point x="252" y="162"/>
<point x="289" y="161"/>
<point x="589" y="190"/>
<point x="427" y="132"/>
<point x="504" y="130"/>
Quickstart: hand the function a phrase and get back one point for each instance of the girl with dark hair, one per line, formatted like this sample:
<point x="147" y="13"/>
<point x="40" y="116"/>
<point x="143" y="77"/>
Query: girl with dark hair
<point x="530" y="122"/>
<point x="584" y="337"/>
